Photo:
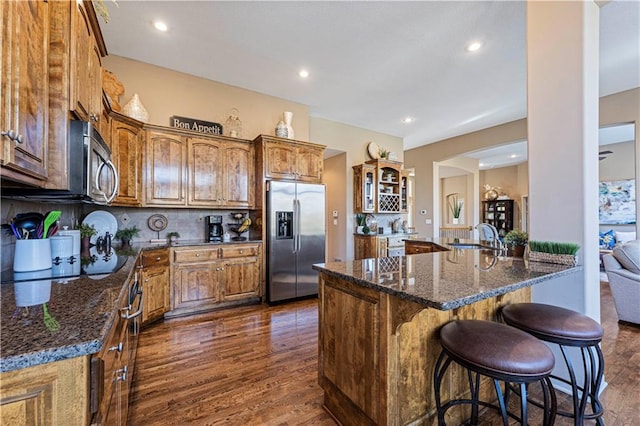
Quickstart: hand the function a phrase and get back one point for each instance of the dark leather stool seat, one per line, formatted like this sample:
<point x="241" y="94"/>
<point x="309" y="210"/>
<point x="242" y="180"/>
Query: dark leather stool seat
<point x="502" y="353"/>
<point x="565" y="327"/>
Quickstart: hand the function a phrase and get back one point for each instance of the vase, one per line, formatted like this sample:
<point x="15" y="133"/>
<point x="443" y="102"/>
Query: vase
<point x="281" y="130"/>
<point x="288" y="116"/>
<point x="135" y="109"/>
<point x="518" y="251"/>
<point x="455" y="220"/>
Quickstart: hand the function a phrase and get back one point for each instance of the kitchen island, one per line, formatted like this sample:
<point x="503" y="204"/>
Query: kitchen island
<point x="379" y="321"/>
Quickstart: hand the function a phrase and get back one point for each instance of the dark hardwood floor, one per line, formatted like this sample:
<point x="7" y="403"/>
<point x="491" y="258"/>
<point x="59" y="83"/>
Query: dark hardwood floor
<point x="258" y="366"/>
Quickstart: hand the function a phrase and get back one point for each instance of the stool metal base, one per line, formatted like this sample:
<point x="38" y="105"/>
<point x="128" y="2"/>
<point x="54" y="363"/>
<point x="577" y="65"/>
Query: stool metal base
<point x="549" y="398"/>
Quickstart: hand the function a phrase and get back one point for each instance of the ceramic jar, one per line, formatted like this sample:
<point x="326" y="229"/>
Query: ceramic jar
<point x="288" y="117"/>
<point x="281" y="130"/>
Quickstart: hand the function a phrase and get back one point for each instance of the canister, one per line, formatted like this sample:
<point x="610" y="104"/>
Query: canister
<point x="75" y="234"/>
<point x="61" y="246"/>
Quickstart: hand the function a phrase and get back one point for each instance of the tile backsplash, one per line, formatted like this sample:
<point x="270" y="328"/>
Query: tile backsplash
<point x="190" y="223"/>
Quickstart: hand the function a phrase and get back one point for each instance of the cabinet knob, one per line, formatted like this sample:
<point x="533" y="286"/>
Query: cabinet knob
<point x="197" y="254"/>
<point x="94" y="117"/>
<point x="123" y="377"/>
<point x="158" y="259"/>
<point x="147" y="280"/>
<point x="19" y="139"/>
<point x="9" y="133"/>
<point x="116" y="348"/>
<point x="241" y="251"/>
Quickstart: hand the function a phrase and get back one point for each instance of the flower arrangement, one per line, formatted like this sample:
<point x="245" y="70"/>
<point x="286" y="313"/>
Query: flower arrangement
<point x="516" y="237"/>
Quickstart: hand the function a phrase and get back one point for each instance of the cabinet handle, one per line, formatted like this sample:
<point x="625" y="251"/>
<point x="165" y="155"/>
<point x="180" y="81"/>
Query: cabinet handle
<point x="116" y="348"/>
<point x="123" y="377"/>
<point x="10" y="133"/>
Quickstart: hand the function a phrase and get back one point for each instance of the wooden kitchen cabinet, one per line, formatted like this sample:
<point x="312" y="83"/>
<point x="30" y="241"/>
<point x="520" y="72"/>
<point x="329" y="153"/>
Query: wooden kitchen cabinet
<point x="165" y="169"/>
<point x="369" y="246"/>
<point x="37" y="395"/>
<point x="417" y="247"/>
<point x="383" y="181"/>
<point x="241" y="271"/>
<point x="87" y="50"/>
<point x="126" y="153"/>
<point x="189" y="171"/>
<point x="290" y="159"/>
<point x="211" y="277"/>
<point x="364" y="188"/>
<point x="24" y="90"/>
<point x="154" y="276"/>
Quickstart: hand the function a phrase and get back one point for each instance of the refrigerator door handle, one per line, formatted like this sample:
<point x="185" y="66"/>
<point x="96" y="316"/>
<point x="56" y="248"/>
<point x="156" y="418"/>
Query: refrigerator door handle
<point x="298" y="220"/>
<point x="295" y="226"/>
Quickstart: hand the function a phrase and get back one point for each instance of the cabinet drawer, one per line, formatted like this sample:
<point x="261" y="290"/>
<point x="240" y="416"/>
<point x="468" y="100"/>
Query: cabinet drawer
<point x="242" y="250"/>
<point x="195" y="255"/>
<point x="155" y="258"/>
<point x="396" y="241"/>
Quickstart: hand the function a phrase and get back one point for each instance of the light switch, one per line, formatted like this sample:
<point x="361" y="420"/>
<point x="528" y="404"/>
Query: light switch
<point x="335" y="221"/>
<point x="427" y="221"/>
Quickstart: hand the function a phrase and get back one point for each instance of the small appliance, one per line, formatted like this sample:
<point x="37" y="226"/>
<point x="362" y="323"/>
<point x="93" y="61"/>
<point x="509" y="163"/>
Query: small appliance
<point x="214" y="228"/>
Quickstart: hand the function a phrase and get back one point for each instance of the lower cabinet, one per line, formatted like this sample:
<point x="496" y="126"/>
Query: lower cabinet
<point x="154" y="276"/>
<point x="209" y="277"/>
<point x="417" y="247"/>
<point x="369" y="246"/>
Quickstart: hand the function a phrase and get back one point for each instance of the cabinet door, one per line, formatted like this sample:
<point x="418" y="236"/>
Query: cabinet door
<point x="239" y="175"/>
<point x="155" y="285"/>
<point x="165" y="170"/>
<point x="205" y="164"/>
<point x="81" y="47"/>
<point x="364" y="188"/>
<point x="24" y="93"/>
<point x="241" y="279"/>
<point x="95" y="81"/>
<point x="196" y="284"/>
<point x="126" y="150"/>
<point x="280" y="160"/>
<point x="309" y="164"/>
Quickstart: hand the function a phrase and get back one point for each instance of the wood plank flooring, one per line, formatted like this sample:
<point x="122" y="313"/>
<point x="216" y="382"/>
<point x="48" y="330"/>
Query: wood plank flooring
<point x="258" y="366"/>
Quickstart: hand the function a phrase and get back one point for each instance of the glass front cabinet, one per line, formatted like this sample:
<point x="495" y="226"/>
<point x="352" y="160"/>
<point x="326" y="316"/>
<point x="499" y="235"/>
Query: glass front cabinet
<point x="380" y="186"/>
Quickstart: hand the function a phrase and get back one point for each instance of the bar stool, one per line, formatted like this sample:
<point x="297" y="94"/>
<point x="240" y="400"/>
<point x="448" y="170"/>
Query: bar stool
<point x="565" y="327"/>
<point x="501" y="353"/>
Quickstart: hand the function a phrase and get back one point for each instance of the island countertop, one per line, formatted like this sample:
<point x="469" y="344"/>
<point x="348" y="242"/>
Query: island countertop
<point x="447" y="279"/>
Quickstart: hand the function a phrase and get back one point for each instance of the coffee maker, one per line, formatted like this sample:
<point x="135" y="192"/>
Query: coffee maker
<point x="214" y="228"/>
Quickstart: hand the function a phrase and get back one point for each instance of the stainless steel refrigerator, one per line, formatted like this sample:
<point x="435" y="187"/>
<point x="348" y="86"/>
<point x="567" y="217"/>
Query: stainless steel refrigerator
<point x="295" y="239"/>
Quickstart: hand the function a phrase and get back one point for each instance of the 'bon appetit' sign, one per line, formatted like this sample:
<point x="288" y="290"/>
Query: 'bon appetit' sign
<point x="194" y="125"/>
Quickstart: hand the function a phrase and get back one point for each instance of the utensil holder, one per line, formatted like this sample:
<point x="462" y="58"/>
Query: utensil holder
<point x="32" y="255"/>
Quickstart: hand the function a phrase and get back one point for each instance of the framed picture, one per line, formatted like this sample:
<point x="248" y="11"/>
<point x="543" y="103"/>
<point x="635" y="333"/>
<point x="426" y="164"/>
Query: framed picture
<point x="617" y="202"/>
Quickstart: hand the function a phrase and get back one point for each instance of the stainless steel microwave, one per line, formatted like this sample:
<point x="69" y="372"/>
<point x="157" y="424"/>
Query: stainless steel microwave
<point x="93" y="177"/>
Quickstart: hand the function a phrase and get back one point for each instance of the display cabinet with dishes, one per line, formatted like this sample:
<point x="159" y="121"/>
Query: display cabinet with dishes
<point x="380" y="186"/>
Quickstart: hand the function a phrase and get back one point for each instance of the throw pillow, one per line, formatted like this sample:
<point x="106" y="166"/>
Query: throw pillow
<point x="607" y="240"/>
<point x="623" y="237"/>
<point x="628" y="254"/>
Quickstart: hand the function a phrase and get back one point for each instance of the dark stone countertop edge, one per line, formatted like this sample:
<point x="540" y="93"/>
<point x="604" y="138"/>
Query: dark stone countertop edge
<point x="453" y="303"/>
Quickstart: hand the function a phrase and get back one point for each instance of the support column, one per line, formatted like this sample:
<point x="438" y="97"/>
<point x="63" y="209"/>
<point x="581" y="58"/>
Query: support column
<point x="562" y="104"/>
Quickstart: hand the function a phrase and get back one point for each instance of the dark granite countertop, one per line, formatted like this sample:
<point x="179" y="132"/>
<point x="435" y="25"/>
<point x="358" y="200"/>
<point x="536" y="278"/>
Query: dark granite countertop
<point x="84" y="307"/>
<point x="447" y="279"/>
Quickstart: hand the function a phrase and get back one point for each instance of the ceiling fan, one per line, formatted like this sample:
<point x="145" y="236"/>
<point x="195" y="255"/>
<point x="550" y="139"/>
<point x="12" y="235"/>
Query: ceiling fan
<point x="603" y="154"/>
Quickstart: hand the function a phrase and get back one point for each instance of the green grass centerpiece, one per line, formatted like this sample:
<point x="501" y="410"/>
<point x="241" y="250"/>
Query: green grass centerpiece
<point x="553" y="252"/>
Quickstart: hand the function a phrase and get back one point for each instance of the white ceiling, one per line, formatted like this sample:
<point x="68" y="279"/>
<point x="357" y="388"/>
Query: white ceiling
<point x="371" y="63"/>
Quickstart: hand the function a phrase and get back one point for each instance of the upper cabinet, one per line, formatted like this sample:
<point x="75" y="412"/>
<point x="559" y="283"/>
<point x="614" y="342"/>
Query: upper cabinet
<point x="290" y="160"/>
<point x="126" y="153"/>
<point x="380" y="186"/>
<point x="86" y="64"/>
<point x="24" y="96"/>
<point x="198" y="171"/>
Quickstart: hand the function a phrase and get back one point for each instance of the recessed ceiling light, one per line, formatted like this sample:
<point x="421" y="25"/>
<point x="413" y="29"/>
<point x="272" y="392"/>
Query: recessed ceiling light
<point x="160" y="26"/>
<point x="474" y="46"/>
<point x="303" y="73"/>
<point x="408" y="120"/>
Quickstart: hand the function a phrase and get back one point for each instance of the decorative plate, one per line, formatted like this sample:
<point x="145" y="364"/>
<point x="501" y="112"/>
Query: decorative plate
<point x="372" y="224"/>
<point x="374" y="150"/>
<point x="157" y="222"/>
<point x="103" y="222"/>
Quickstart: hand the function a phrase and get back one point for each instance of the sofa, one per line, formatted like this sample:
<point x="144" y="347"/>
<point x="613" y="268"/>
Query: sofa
<point x="623" y="271"/>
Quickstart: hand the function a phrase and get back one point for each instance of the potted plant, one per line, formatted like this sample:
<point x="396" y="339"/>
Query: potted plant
<point x="173" y="237"/>
<point x="383" y="153"/>
<point x="553" y="252"/>
<point x="455" y="205"/>
<point x="126" y="234"/>
<point x="86" y="232"/>
<point x="516" y="240"/>
<point x="360" y="221"/>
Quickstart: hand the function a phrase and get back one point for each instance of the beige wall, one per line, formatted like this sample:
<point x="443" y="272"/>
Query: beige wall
<point x="623" y="107"/>
<point x="164" y="93"/>
<point x="620" y="164"/>
<point x="336" y="195"/>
